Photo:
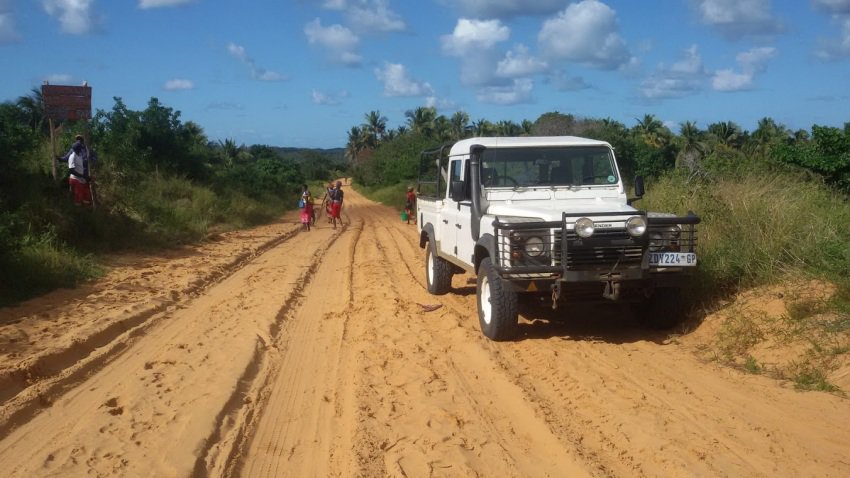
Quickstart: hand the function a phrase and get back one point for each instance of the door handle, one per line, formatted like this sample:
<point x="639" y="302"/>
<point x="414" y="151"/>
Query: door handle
<point x="445" y="221"/>
<point x="458" y="226"/>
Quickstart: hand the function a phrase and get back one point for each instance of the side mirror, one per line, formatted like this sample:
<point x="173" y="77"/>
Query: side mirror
<point x="457" y="191"/>
<point x="639" y="190"/>
<point x="639" y="187"/>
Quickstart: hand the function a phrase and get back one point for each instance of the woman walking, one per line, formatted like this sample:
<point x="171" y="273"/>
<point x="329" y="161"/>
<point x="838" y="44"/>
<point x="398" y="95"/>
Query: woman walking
<point x="306" y="205"/>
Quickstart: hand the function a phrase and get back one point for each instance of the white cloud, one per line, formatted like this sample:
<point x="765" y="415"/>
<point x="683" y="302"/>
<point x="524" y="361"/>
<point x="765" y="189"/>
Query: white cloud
<point x="832" y="6"/>
<point x="472" y="35"/>
<point x="374" y="16"/>
<point x="586" y="32"/>
<point x="75" y="16"/>
<point x="752" y="62"/>
<point x="397" y="82"/>
<point x="682" y="78"/>
<point x="837" y="48"/>
<point x="178" y="84"/>
<point x="729" y="80"/>
<point x="257" y="72"/>
<point x="442" y="104"/>
<point x="340" y="42"/>
<point x="334" y="4"/>
<point x="506" y="8"/>
<point x="518" y="63"/>
<point x="8" y="30"/>
<point x="145" y="4"/>
<point x="59" y="79"/>
<point x="735" y="19"/>
<point x="564" y="82"/>
<point x="518" y="92"/>
<point x="322" y="98"/>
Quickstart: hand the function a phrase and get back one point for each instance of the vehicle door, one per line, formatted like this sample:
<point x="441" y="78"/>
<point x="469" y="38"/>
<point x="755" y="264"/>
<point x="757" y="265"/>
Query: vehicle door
<point x="463" y="222"/>
<point x="449" y="213"/>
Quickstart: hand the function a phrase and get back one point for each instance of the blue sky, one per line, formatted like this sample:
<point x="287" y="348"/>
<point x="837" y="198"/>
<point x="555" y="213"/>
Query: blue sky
<point x="301" y="73"/>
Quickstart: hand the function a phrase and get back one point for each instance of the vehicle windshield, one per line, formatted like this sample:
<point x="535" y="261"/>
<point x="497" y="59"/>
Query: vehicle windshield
<point x="548" y="167"/>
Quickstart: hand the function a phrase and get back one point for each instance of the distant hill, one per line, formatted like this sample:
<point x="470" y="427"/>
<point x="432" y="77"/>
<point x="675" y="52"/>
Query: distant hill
<point x="333" y="155"/>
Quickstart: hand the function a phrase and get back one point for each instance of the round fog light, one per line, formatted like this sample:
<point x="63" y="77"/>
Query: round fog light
<point x="636" y="226"/>
<point x="534" y="246"/>
<point x="584" y="227"/>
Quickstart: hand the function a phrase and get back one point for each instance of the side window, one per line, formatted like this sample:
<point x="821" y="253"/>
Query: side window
<point x="457" y="171"/>
<point x="457" y="189"/>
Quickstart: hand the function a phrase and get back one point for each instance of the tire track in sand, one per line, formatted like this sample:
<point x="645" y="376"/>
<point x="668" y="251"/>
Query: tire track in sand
<point x="127" y="417"/>
<point x="421" y="413"/>
<point x="302" y="398"/>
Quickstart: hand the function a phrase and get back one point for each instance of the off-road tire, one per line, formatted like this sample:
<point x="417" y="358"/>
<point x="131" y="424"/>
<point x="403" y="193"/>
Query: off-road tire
<point x="438" y="273"/>
<point x="497" y="304"/>
<point x="664" y="309"/>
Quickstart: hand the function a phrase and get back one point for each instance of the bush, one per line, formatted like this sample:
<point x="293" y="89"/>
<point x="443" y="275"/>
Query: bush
<point x="756" y="227"/>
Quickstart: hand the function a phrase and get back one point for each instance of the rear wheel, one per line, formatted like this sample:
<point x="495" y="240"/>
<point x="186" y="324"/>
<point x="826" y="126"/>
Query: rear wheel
<point x="497" y="304"/>
<point x="438" y="273"/>
<point x="664" y="309"/>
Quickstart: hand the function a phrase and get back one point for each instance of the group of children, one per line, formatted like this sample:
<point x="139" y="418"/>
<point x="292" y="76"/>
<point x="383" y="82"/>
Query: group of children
<point x="332" y="202"/>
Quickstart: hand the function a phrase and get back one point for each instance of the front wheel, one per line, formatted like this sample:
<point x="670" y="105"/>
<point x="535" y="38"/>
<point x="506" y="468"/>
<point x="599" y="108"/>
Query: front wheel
<point x="438" y="273"/>
<point x="497" y="304"/>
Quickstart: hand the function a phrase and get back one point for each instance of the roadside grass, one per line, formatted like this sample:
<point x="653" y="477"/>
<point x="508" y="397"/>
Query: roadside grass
<point x="762" y="229"/>
<point x="392" y="195"/>
<point x="153" y="213"/>
<point x="40" y="263"/>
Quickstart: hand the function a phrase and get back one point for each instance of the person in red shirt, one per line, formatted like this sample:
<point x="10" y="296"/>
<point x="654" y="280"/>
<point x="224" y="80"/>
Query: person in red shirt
<point x="410" y="205"/>
<point x="335" y="196"/>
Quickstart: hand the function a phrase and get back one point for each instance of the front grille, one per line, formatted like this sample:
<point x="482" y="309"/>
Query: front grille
<point x="606" y="248"/>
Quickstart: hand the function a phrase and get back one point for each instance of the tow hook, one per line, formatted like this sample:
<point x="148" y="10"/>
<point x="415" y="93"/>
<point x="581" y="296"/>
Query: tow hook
<point x="612" y="290"/>
<point x="556" y="294"/>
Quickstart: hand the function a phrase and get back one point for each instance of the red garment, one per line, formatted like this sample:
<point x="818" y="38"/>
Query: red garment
<point x="306" y="213"/>
<point x="81" y="191"/>
<point x="336" y="207"/>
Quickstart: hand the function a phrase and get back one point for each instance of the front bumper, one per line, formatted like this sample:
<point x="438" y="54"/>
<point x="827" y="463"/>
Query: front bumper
<point x="609" y="255"/>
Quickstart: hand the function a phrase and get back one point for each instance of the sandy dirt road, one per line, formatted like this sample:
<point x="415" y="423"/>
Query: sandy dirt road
<point x="274" y="352"/>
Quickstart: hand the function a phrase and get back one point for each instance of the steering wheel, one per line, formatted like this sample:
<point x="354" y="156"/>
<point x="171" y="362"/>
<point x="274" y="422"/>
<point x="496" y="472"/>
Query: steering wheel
<point x="512" y="180"/>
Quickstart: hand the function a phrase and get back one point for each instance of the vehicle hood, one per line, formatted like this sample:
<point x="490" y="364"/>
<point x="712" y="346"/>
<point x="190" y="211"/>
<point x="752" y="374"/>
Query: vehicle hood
<point x="552" y="210"/>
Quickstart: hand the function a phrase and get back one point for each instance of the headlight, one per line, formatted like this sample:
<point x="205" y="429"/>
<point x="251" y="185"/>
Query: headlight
<point x="584" y="227"/>
<point x="534" y="246"/>
<point x="636" y="226"/>
<point x="656" y="241"/>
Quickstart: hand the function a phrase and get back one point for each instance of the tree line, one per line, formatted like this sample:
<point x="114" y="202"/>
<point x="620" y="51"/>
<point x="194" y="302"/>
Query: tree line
<point x="159" y="179"/>
<point x="382" y="155"/>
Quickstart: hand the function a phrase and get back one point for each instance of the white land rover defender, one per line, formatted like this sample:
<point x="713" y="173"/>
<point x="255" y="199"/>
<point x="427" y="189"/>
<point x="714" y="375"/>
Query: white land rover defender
<point x="547" y="216"/>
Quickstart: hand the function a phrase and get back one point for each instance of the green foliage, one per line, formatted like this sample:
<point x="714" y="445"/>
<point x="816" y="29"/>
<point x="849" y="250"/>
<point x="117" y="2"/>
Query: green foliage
<point x="828" y="154"/>
<point x="160" y="182"/>
<point x="758" y="225"/>
<point x="393" y="161"/>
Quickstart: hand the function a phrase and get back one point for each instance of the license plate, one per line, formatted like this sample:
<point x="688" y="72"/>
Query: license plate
<point x="672" y="259"/>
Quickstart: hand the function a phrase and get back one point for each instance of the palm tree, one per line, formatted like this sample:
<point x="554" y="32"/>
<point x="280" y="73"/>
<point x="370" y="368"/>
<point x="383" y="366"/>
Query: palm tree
<point x="356" y="143"/>
<point x="482" y="127"/>
<point x="526" y="127"/>
<point x="765" y="136"/>
<point x="32" y="106"/>
<point x="652" y="130"/>
<point x="229" y="152"/>
<point x="375" y="126"/>
<point x="726" y="133"/>
<point x="442" y="129"/>
<point x="691" y="145"/>
<point x="421" y="120"/>
<point x="507" y="128"/>
<point x="459" y="125"/>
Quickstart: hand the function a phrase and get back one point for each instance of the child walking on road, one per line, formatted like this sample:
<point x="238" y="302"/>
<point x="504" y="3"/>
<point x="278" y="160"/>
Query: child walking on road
<point x="306" y="205"/>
